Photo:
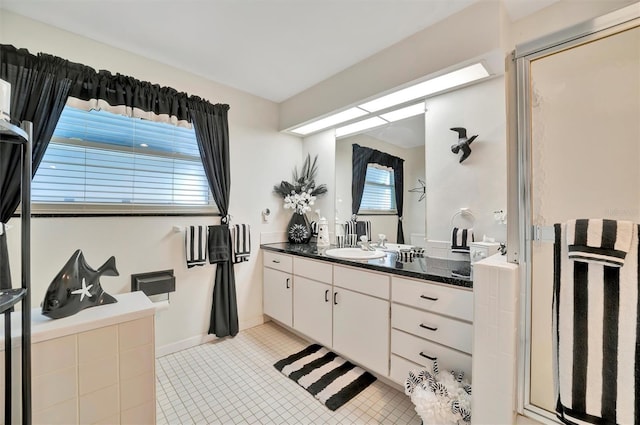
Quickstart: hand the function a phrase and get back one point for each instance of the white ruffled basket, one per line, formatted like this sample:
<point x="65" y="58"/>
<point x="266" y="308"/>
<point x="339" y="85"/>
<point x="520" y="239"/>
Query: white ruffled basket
<point x="442" y="398"/>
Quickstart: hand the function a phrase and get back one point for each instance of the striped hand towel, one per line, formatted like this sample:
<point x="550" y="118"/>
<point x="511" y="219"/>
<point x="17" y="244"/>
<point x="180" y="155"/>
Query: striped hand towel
<point x="240" y="242"/>
<point x="596" y="334"/>
<point x="196" y="245"/>
<point x="460" y="239"/>
<point x="599" y="240"/>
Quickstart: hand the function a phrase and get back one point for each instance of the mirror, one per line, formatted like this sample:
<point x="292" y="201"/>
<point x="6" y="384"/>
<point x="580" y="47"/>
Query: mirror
<point x="404" y="139"/>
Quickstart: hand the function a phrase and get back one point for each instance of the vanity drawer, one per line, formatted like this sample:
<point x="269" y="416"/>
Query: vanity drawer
<point x="443" y="330"/>
<point x="400" y="368"/>
<point x="416" y="349"/>
<point x="369" y="283"/>
<point x="277" y="261"/>
<point x="441" y="299"/>
<point x="322" y="272"/>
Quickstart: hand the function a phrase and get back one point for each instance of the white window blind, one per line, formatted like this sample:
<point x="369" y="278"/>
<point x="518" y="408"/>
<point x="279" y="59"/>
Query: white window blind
<point x="99" y="159"/>
<point x="379" y="194"/>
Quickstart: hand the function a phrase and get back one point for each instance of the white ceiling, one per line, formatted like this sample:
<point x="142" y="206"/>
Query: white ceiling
<point x="270" y="48"/>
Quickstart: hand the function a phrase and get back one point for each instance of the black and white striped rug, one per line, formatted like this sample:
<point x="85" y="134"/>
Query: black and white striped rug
<point x="327" y="376"/>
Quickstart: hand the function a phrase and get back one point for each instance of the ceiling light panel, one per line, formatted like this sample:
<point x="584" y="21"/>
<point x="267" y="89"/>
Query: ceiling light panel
<point x="402" y="113"/>
<point x="329" y="121"/>
<point x="360" y="126"/>
<point x="444" y="82"/>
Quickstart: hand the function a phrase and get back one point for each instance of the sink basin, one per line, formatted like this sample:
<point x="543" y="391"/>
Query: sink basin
<point x="354" y="254"/>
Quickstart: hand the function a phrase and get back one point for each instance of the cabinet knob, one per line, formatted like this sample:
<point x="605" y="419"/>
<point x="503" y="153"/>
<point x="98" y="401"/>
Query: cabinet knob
<point x="429" y="298"/>
<point x="275" y="261"/>
<point x="326" y="296"/>
<point x="288" y="283"/>
<point x="433" y="359"/>
<point x="428" y="327"/>
<point x="335" y="299"/>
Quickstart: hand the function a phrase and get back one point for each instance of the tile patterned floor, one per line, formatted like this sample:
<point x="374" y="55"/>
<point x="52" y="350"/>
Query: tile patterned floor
<point x="233" y="381"/>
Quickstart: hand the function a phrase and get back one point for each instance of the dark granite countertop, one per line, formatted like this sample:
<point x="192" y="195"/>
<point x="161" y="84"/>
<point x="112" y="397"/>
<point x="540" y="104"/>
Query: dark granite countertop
<point x="433" y="269"/>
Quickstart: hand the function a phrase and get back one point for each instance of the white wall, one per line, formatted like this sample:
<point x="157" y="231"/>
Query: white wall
<point x="323" y="145"/>
<point x="479" y="183"/>
<point x="260" y="158"/>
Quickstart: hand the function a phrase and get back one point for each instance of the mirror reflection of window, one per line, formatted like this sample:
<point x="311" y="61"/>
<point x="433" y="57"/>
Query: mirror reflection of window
<point x="379" y="196"/>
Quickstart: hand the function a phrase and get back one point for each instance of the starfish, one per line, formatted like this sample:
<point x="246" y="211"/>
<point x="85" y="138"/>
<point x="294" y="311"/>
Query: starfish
<point x="83" y="291"/>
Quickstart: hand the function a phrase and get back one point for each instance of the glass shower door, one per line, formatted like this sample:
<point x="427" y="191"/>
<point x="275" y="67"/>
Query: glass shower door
<point x="581" y="160"/>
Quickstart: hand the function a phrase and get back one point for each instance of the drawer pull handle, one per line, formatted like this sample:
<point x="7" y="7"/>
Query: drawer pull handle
<point x="428" y="298"/>
<point x="335" y="300"/>
<point x="288" y="283"/>
<point x="275" y="261"/>
<point x="433" y="359"/>
<point x="428" y="327"/>
<point x="326" y="296"/>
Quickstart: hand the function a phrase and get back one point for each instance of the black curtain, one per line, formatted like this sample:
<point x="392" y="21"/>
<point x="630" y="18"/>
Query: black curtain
<point x="212" y="133"/>
<point x="361" y="158"/>
<point x="37" y="95"/>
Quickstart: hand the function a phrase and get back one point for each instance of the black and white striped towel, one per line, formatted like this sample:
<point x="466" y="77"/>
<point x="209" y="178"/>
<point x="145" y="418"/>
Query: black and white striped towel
<point x="596" y="335"/>
<point x="240" y="242"/>
<point x="329" y="378"/>
<point x="460" y="239"/>
<point x="196" y="245"/>
<point x="599" y="240"/>
<point x="359" y="228"/>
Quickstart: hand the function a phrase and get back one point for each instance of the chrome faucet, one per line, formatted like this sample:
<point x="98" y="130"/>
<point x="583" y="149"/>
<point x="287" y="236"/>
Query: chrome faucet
<point x="364" y="244"/>
<point x="382" y="240"/>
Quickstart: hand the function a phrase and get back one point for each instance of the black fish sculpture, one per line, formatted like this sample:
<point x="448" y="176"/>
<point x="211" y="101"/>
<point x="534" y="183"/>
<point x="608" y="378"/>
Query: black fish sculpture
<point x="76" y="287"/>
<point x="463" y="143"/>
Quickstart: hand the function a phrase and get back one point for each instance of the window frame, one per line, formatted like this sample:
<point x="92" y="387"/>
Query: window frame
<point x="105" y="209"/>
<point x="391" y="211"/>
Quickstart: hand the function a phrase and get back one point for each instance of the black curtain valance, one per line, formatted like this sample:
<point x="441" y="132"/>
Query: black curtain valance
<point x="97" y="89"/>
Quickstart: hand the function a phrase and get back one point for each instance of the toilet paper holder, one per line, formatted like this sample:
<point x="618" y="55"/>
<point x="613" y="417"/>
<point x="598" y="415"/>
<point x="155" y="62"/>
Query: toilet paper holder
<point x="156" y="285"/>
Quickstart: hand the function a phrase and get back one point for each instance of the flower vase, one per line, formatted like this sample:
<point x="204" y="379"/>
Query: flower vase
<point x="299" y="229"/>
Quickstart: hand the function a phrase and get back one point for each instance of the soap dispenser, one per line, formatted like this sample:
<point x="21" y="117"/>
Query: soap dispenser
<point x="323" y="232"/>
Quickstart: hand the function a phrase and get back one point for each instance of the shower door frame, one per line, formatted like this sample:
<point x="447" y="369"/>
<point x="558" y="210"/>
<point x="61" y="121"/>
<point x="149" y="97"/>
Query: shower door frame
<point x="523" y="236"/>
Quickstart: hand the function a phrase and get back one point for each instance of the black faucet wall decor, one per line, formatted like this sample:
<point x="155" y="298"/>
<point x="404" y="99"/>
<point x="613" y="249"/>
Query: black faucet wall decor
<point x="463" y="143"/>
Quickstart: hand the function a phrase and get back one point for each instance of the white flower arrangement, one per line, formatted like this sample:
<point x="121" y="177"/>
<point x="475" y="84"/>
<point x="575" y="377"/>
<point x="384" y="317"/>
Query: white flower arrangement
<point x="440" y="398"/>
<point x="299" y="202"/>
<point x="301" y="194"/>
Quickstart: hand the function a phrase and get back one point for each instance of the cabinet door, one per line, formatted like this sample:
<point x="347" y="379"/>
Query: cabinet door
<point x="312" y="303"/>
<point x="278" y="295"/>
<point x="361" y="329"/>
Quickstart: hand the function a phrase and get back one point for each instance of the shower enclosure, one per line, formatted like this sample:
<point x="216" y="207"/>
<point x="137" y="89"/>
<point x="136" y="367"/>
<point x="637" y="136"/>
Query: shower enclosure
<point x="578" y="99"/>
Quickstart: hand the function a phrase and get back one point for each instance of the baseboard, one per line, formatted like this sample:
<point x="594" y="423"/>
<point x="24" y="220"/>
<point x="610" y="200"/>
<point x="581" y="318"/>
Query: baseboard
<point x="174" y="347"/>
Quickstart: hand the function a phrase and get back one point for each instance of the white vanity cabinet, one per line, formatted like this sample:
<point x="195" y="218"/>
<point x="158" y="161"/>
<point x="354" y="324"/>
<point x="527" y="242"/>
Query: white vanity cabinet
<point x="312" y="299"/>
<point x="277" y="296"/>
<point x="430" y="321"/>
<point x="361" y="317"/>
<point x="383" y="322"/>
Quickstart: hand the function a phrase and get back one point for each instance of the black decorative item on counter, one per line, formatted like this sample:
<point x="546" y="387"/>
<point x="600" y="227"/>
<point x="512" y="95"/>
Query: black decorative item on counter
<point x="76" y="287"/>
<point x="299" y="229"/>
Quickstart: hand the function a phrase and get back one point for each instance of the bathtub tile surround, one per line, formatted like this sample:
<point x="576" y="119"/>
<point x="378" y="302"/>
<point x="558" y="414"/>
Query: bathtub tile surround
<point x="233" y="381"/>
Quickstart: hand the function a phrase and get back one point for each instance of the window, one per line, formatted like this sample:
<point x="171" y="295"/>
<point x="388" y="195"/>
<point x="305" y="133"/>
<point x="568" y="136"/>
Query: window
<point x="97" y="160"/>
<point x="379" y="194"/>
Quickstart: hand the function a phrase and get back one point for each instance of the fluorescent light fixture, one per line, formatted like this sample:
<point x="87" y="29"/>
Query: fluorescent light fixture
<point x="444" y="82"/>
<point x="330" y="121"/>
<point x="403" y="113"/>
<point x="360" y="125"/>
